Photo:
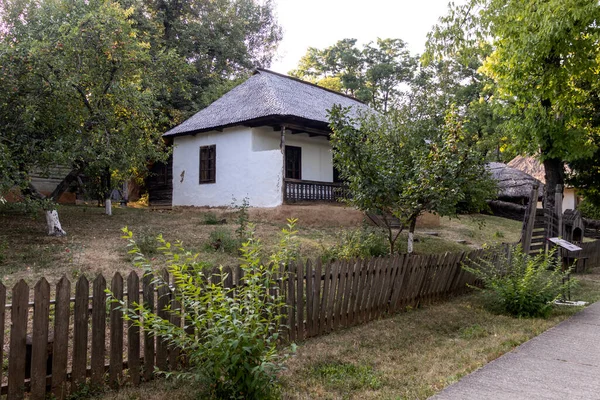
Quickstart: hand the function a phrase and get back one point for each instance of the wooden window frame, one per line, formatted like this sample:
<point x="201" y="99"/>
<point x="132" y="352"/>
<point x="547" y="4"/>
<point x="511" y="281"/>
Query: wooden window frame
<point x="211" y="165"/>
<point x="299" y="149"/>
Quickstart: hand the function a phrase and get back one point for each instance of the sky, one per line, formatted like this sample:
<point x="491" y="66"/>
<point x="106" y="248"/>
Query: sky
<point x="321" y="23"/>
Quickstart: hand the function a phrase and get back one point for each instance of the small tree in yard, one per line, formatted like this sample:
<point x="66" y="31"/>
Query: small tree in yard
<point x="231" y="335"/>
<point x="401" y="165"/>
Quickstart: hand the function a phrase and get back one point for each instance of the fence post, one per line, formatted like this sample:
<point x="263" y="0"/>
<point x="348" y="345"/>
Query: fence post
<point x="2" y="319"/>
<point x="133" y="331"/>
<point x="18" y="336"/>
<point x="80" y="333"/>
<point x="98" y="329"/>
<point x="39" y="339"/>
<point x="62" y="315"/>
<point x="116" y="332"/>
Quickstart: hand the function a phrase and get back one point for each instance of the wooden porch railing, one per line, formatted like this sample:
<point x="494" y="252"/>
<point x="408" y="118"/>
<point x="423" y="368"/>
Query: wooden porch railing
<point x="296" y="190"/>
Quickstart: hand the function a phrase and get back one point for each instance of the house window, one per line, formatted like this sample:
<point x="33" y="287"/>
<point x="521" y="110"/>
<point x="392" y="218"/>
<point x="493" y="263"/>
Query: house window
<point x="293" y="162"/>
<point x="208" y="164"/>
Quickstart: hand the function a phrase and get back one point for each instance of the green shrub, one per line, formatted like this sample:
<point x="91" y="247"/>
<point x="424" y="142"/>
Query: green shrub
<point x="222" y="240"/>
<point x="359" y="243"/>
<point x="147" y="242"/>
<point x="210" y="218"/>
<point x="519" y="284"/>
<point x="232" y="352"/>
<point x="589" y="210"/>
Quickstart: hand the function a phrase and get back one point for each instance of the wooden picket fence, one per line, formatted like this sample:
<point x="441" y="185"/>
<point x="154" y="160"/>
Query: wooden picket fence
<point x="57" y="345"/>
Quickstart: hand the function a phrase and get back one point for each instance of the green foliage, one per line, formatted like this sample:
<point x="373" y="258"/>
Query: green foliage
<point x="589" y="210"/>
<point x="210" y="218"/>
<point x="521" y="285"/>
<point x="345" y="376"/>
<point x="372" y="74"/>
<point x="3" y="248"/>
<point x="404" y="164"/>
<point x="232" y="349"/>
<point x="222" y="240"/>
<point x="359" y="243"/>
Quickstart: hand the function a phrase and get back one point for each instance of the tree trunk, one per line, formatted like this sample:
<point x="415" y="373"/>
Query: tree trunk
<point x="411" y="234"/>
<point x="107" y="193"/>
<point x="555" y="175"/>
<point x="52" y="220"/>
<point x="53" y="223"/>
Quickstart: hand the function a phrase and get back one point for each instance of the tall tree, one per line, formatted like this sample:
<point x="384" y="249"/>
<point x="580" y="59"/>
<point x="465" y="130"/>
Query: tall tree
<point x="79" y="92"/>
<point x="544" y="65"/>
<point x="373" y="74"/>
<point x="404" y="164"/>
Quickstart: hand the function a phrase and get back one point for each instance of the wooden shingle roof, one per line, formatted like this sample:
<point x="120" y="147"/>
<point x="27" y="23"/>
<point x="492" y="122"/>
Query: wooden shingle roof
<point x="268" y="95"/>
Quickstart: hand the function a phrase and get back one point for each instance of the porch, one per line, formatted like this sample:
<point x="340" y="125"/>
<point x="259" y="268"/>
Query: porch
<point x="298" y="190"/>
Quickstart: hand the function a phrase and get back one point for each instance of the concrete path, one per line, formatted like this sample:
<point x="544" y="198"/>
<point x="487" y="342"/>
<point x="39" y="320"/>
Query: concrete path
<point x="561" y="363"/>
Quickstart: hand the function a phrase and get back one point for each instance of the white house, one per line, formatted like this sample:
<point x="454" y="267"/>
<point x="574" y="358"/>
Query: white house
<point x="266" y="140"/>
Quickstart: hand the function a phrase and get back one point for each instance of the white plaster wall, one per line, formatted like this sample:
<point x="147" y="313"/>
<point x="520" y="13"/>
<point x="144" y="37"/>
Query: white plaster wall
<point x="569" y="199"/>
<point x="248" y="165"/>
<point x="317" y="159"/>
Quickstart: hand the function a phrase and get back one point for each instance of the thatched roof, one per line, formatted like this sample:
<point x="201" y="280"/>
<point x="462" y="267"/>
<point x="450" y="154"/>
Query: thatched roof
<point x="529" y="165"/>
<point x="267" y="97"/>
<point x="512" y="183"/>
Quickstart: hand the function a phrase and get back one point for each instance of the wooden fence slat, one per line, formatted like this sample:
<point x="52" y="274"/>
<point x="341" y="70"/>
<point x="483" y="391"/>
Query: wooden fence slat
<point x="291" y="297"/>
<point x="365" y="290"/>
<point x="98" y="329"/>
<point x="337" y="312"/>
<point x="2" y="322"/>
<point x="397" y="285"/>
<point x="386" y="271"/>
<point x="317" y="298"/>
<point x="354" y="292"/>
<point x="351" y="266"/>
<point x="133" y="331"/>
<point x="331" y="297"/>
<point x="148" y="298"/>
<point x="324" y="299"/>
<point x="176" y="320"/>
<point x="39" y="348"/>
<point x="115" y="371"/>
<point x="80" y="333"/>
<point x="61" y="336"/>
<point x="309" y="299"/>
<point x="162" y="303"/>
<point x="300" y="299"/>
<point x="388" y="283"/>
<point x="359" y="291"/>
<point x="18" y="337"/>
<point x="369" y="295"/>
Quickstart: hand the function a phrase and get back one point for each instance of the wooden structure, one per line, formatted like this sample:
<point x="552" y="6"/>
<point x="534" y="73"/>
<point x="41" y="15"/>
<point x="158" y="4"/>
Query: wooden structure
<point x="573" y="226"/>
<point x="92" y="344"/>
<point x="296" y="190"/>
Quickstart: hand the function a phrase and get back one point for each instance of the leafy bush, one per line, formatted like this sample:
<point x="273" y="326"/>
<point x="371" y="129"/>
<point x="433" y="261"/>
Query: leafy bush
<point x="360" y="243"/>
<point x="210" y="218"/>
<point x="222" y="240"/>
<point x="232" y="349"/>
<point x="519" y="284"/>
<point x="589" y="210"/>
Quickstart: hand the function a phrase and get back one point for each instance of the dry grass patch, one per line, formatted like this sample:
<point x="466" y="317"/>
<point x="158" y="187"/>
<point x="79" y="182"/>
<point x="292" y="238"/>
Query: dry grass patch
<point x="416" y="354"/>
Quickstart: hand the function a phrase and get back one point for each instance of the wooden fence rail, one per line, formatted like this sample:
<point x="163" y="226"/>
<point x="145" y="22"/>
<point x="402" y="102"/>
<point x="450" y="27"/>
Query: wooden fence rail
<point x="56" y="346"/>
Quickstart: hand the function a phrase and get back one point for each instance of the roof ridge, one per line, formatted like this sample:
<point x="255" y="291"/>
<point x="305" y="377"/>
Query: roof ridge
<point x="273" y="93"/>
<point x="260" y="70"/>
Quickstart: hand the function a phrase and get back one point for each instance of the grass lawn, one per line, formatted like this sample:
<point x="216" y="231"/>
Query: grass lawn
<point x="411" y="355"/>
<point x="93" y="244"/>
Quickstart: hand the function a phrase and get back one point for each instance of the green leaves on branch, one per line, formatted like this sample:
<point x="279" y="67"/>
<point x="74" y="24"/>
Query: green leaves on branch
<point x="403" y="165"/>
<point x="231" y="335"/>
<point x="521" y="285"/>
